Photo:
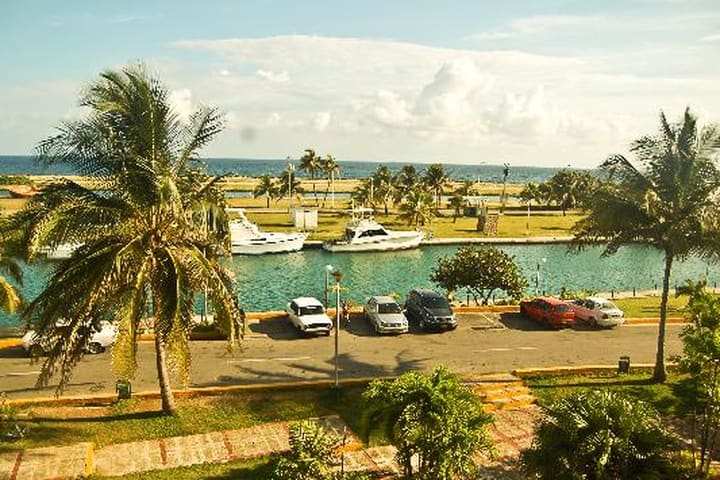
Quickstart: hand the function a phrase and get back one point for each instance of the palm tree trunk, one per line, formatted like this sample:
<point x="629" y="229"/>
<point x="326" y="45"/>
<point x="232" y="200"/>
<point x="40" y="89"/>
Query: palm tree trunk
<point x="166" y="395"/>
<point x="660" y="374"/>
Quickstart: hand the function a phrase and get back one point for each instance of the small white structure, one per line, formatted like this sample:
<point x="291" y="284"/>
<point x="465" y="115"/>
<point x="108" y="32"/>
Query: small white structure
<point x="304" y="218"/>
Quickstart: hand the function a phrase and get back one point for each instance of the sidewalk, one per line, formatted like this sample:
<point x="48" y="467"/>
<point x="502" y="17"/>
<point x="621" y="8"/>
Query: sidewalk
<point x="511" y="433"/>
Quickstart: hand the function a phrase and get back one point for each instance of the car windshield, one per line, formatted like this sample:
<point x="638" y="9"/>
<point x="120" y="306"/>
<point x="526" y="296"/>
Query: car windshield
<point x="388" y="308"/>
<point x="311" y="310"/>
<point x="607" y="306"/>
<point x="434" y="302"/>
<point x="562" y="308"/>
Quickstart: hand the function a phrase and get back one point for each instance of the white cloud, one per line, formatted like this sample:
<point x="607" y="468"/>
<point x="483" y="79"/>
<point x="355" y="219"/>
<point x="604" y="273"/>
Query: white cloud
<point x="272" y="76"/>
<point x="182" y="103"/>
<point x="321" y="121"/>
<point x="482" y="36"/>
<point x="711" y="38"/>
<point x="543" y="23"/>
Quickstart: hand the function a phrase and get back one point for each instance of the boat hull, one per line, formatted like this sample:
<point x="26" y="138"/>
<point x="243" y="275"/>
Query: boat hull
<point x="376" y="244"/>
<point x="291" y="243"/>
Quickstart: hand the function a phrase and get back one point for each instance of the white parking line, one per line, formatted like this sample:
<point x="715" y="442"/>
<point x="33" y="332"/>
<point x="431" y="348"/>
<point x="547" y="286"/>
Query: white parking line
<point x="260" y="360"/>
<point x="20" y="374"/>
<point x="502" y="349"/>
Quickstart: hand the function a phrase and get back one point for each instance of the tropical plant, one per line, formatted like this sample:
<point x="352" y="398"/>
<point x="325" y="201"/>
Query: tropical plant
<point x="404" y="181"/>
<point x="433" y="417"/>
<point x="601" y="435"/>
<point x="569" y="189"/>
<point x="10" y="299"/>
<point x="482" y="271"/>
<point x="670" y="202"/>
<point x="503" y="196"/>
<point x="383" y="187"/>
<point x="363" y="193"/>
<point x="310" y="162"/>
<point x="313" y="451"/>
<point x="268" y="187"/>
<point x="701" y="361"/>
<point x="151" y="229"/>
<point x="289" y="183"/>
<point x="457" y="202"/>
<point x="436" y="180"/>
<point x="417" y="207"/>
<point x="331" y="169"/>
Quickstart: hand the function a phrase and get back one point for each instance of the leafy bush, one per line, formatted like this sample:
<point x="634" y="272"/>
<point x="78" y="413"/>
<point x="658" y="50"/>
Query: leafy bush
<point x="10" y="430"/>
<point x="605" y="436"/>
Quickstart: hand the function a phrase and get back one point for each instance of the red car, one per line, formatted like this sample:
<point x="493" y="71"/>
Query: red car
<point x="550" y="311"/>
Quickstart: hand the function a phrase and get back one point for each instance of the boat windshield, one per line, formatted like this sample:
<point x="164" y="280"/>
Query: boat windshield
<point x="376" y="232"/>
<point x="389" y="308"/>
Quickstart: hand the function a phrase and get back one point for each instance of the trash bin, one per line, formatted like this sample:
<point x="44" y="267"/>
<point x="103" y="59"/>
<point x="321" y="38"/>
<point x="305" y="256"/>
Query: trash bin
<point x="624" y="364"/>
<point x="123" y="389"/>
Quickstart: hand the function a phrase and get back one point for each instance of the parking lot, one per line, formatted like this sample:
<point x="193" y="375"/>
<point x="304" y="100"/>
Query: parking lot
<point x="275" y="352"/>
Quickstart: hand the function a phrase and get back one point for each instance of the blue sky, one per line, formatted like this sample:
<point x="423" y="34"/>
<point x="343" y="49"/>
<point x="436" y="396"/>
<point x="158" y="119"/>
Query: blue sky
<point x="529" y="83"/>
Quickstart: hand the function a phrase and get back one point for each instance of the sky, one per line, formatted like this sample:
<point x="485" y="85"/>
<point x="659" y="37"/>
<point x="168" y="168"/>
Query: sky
<point x="529" y="83"/>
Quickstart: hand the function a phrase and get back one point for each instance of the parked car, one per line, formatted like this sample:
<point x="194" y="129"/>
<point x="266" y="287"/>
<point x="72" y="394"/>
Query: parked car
<point x="385" y="315"/>
<point x="430" y="309"/>
<point x="308" y="315"/>
<point x="597" y="311"/>
<point x="549" y="311"/>
<point x="102" y="336"/>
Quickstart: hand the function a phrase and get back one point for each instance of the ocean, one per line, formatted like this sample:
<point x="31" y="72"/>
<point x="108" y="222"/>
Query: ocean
<point x="248" y="167"/>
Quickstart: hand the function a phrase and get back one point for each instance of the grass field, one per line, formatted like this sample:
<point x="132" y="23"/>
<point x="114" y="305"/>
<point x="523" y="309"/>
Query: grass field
<point x="641" y="307"/>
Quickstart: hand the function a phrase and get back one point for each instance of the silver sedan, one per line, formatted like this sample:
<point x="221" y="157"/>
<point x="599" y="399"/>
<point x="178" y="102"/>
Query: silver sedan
<point x="385" y="315"/>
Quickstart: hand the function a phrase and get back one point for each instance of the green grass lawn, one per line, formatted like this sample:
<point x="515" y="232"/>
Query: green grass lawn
<point x="650" y="306"/>
<point x="668" y="398"/>
<point x="139" y="419"/>
<point x="251" y="469"/>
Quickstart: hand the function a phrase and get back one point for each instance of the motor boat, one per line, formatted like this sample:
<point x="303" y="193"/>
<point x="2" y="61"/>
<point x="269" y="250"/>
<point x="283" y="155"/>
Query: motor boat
<point x="247" y="239"/>
<point x="364" y="234"/>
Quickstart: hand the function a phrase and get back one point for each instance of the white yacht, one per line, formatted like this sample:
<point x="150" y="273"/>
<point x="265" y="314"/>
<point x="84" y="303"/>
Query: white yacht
<point x="247" y="239"/>
<point x="364" y="234"/>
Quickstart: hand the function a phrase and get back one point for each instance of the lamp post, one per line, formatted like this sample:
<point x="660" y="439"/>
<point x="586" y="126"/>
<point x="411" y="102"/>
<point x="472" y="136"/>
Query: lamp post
<point x="338" y="277"/>
<point x="291" y="170"/>
<point x="537" y="276"/>
<point x="328" y="271"/>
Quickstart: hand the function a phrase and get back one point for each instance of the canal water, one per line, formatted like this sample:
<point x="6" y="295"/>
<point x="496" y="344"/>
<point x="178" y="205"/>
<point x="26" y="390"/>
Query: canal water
<point x="267" y="282"/>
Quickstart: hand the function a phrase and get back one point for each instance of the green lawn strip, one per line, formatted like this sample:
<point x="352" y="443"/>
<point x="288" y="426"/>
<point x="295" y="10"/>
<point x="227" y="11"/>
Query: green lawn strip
<point x="641" y="307"/>
<point x="136" y="420"/>
<point x="669" y="398"/>
<point x="248" y="469"/>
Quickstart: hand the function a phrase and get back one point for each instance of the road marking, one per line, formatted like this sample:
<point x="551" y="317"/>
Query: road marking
<point x="20" y="374"/>
<point x="260" y="360"/>
<point x="527" y="348"/>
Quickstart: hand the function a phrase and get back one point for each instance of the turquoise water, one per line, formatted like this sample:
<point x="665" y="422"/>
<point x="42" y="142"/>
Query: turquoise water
<point x="267" y="282"/>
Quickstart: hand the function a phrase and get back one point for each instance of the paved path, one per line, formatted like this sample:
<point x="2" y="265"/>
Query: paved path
<point x="511" y="432"/>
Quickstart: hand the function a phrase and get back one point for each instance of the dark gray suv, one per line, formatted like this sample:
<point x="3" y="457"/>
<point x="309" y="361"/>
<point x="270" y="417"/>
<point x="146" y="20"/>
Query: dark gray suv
<point x="430" y="309"/>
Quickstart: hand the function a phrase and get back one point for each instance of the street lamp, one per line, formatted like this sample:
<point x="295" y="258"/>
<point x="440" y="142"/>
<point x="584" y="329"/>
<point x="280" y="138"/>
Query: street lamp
<point x="328" y="271"/>
<point x="537" y="276"/>
<point x="338" y="277"/>
<point x="291" y="170"/>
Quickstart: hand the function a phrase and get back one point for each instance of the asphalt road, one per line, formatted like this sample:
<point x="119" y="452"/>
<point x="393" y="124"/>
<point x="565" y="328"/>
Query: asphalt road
<point x="274" y="352"/>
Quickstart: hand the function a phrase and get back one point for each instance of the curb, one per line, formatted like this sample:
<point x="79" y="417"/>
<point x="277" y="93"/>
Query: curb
<point x="583" y="370"/>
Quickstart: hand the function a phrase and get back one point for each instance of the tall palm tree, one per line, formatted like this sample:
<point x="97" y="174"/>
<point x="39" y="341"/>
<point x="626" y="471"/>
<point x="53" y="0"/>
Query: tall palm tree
<point x="404" y="181"/>
<point x="152" y="230"/>
<point x="436" y="180"/>
<point x="331" y="169"/>
<point x="289" y="183"/>
<point x="10" y="299"/>
<point x="310" y="163"/>
<point x="266" y="186"/>
<point x="383" y="188"/>
<point x="669" y="201"/>
<point x="418" y="207"/>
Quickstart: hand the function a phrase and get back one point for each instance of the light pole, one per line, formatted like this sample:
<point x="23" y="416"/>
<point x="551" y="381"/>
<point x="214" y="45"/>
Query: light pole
<point x="537" y="276"/>
<point x="328" y="271"/>
<point x="338" y="277"/>
<point x="291" y="170"/>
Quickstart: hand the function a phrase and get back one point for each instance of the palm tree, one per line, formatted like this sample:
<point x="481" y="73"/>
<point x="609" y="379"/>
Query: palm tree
<point x="266" y="186"/>
<point x="670" y="201"/>
<point x="600" y="435"/>
<point x="289" y="183"/>
<point x="331" y="169"/>
<point x="404" y="181"/>
<point x="10" y="299"/>
<point x="310" y="163"/>
<point x="383" y="188"/>
<point x="418" y="207"/>
<point x="151" y="233"/>
<point x="503" y="198"/>
<point x="436" y="180"/>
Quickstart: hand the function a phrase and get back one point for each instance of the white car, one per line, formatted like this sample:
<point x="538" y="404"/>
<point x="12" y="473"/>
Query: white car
<point x="385" y="315"/>
<point x="101" y="337"/>
<point x="308" y="315"/>
<point x="597" y="311"/>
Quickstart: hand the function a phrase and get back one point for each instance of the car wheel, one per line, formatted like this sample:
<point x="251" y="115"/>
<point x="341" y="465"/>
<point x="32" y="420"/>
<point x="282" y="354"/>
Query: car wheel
<point x="327" y="333"/>
<point x="95" y="348"/>
<point x="36" y="350"/>
<point x="422" y="324"/>
<point x="377" y="328"/>
<point x="592" y="322"/>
